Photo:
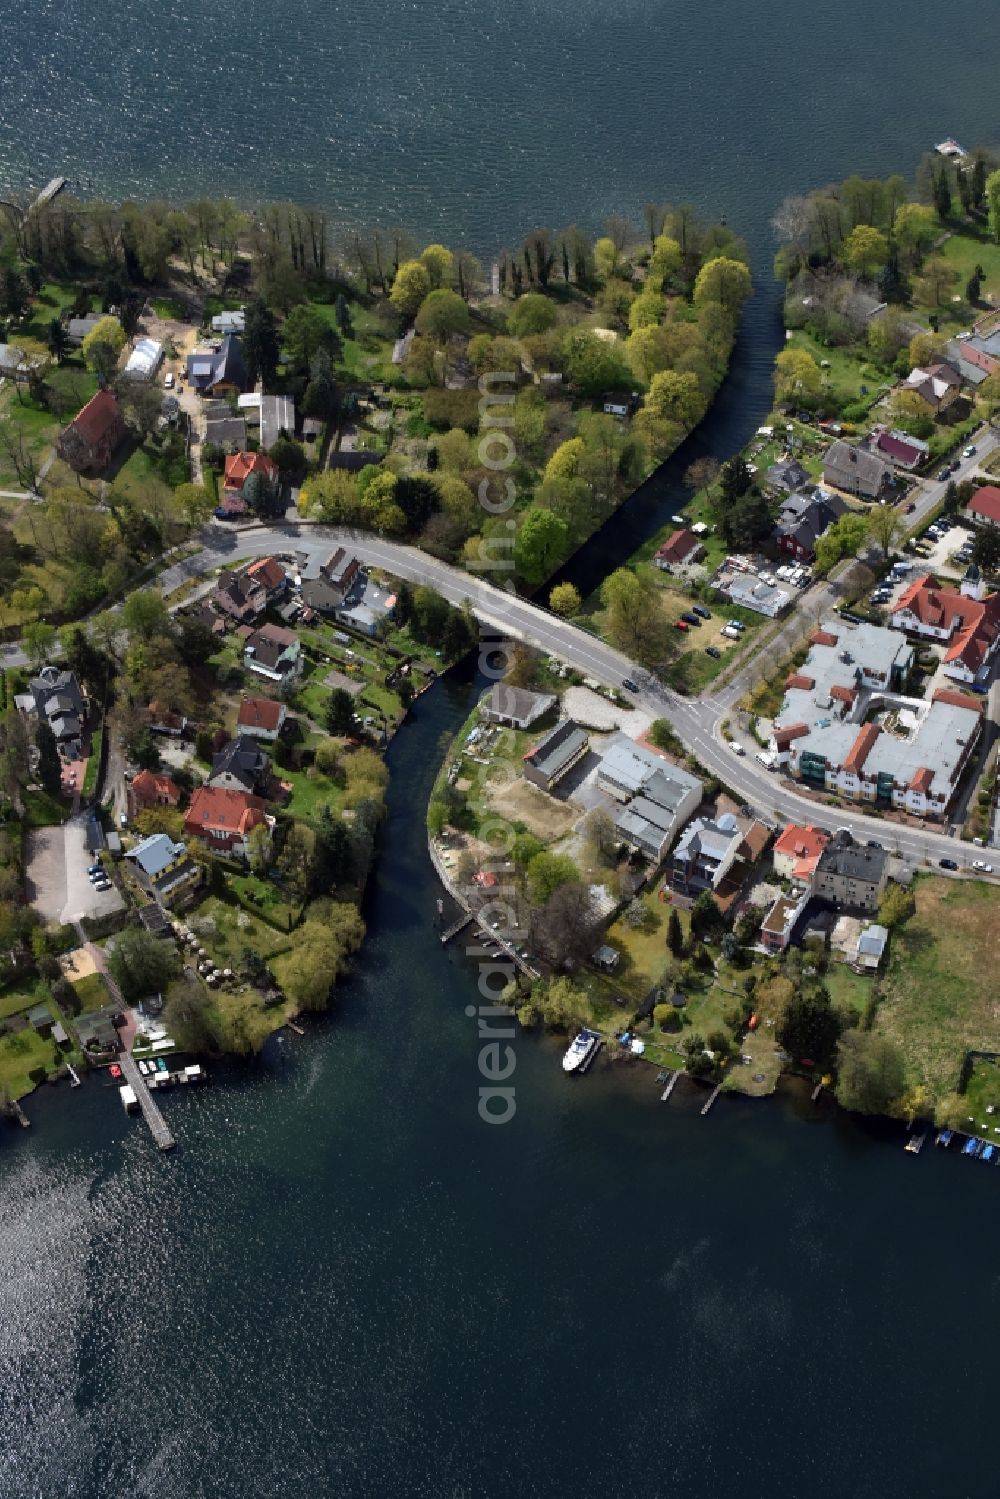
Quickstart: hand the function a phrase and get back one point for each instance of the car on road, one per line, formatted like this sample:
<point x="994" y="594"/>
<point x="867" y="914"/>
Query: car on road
<point x="909" y="507"/>
<point x="947" y="863"/>
<point x="690" y="618"/>
<point x="701" y="611"/>
<point x="970" y="451"/>
<point x="629" y="685"/>
<point x="982" y="866"/>
<point x="945" y="471"/>
<point x="713" y="651"/>
<point x="738" y="749"/>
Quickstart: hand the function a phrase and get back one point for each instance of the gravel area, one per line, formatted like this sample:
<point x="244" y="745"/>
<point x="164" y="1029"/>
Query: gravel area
<point x="595" y="712"/>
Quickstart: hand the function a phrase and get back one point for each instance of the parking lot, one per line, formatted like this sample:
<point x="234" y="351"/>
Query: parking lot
<point x="56" y="875"/>
<point x="943" y="551"/>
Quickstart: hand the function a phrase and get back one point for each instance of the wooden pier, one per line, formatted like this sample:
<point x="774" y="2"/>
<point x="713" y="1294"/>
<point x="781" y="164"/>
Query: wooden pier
<point x="157" y="1124"/>
<point x="74" y="1081"/>
<point x="815" y="1092"/>
<point x="711" y="1098"/>
<point x="456" y="927"/>
<point x="293" y="1026"/>
<point x="585" y="1066"/>
<point x="48" y="192"/>
<point x="671" y="1085"/>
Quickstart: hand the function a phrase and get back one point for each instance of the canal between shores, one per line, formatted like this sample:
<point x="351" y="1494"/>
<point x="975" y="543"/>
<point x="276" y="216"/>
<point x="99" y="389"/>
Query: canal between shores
<point x="343" y="1282"/>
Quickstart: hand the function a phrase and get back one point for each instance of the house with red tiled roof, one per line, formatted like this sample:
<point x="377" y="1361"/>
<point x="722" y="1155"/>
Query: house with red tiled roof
<point x="262" y="717"/>
<point x="679" y="550"/>
<point x="151" y="788"/>
<point x="239" y="467"/>
<point x="967" y="620"/>
<point x="984" y="507"/>
<point x="796" y="851"/>
<point x="269" y="573"/>
<point x="94" y="435"/>
<point x="224" y="819"/>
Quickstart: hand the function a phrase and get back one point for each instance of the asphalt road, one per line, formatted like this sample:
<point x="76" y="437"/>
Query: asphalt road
<point x="697" y="722"/>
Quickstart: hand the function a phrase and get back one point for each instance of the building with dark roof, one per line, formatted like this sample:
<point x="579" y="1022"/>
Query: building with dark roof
<point x="789" y="475"/>
<point x="59" y="699"/>
<point x="851" y="874"/>
<point x="242" y="766"/>
<point x="516" y="706"/>
<point x="552" y="757"/>
<point x="218" y="371"/>
<point x="802" y="520"/>
<point x="856" y="471"/>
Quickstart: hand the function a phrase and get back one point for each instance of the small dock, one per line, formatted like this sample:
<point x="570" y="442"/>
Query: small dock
<point x="711" y="1098"/>
<point x="456" y="927"/>
<point x="74" y="1080"/>
<point x="48" y="192"/>
<point x="157" y="1124"/>
<point x="588" y="1061"/>
<point x="293" y="1026"/>
<point x="671" y="1085"/>
<point x="815" y="1092"/>
<point x="20" y="1115"/>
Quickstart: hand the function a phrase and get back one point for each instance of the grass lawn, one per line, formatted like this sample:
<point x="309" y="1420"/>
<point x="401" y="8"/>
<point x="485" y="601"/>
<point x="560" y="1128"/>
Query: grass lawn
<point x="267" y="896"/>
<point x="22" y="1054"/>
<point x="848" y="370"/>
<point x="42" y="810"/>
<point x="941" y="995"/>
<point x="139" y="478"/>
<point x="13" y="1004"/>
<point x="964" y="252"/>
<point x="234" y="929"/>
<point x="848" y="990"/>
<point x="367" y="353"/>
<point x="92" y="992"/>
<point x="311" y="791"/>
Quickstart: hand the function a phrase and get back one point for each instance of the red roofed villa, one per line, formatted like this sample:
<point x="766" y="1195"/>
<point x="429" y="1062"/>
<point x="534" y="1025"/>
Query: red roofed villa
<point x="150" y="788"/>
<point x="679" y="549"/>
<point x="262" y="717"/>
<point x="984" y="506"/>
<point x="224" y="819"/>
<point x="968" y="621"/>
<point x="93" y="436"/>
<point x="797" y="851"/>
<point x="239" y="467"/>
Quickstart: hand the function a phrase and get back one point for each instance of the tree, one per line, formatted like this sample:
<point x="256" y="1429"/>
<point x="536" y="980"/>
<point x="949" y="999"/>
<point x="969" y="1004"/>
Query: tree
<point x="305" y="332"/>
<point x="938" y="275"/>
<point x="38" y="639"/>
<point x="884" y="526"/>
<point x="192" y="1019"/>
<point x="546" y="872"/>
<point x="439" y="263"/>
<point x="992" y="192"/>
<point x="809" y="1027"/>
<point x="607" y="256"/>
<point x="410" y="287"/>
<point x="941" y="190"/>
<point x="49" y="769"/>
<point x="261" y="345"/>
<point x="141" y="964"/>
<point x="322" y="396"/>
<point x="896" y="906"/>
<point x="332" y="859"/>
<point x="56" y="340"/>
<point x="567" y="929"/>
<point x="986" y="551"/>
<point x="725" y="281"/>
<point x="442" y="314"/>
<point x="864" y="250"/>
<point x="321" y="952"/>
<point x="595" y="364"/>
<point x="339" y="716"/>
<point x="146" y="616"/>
<point x="295" y="860"/>
<point x="675" y="934"/>
<point x="260" y="849"/>
<point x="871" y="1076"/>
<point x="843" y="539"/>
<point x="915" y="230"/>
<point x="677" y="397"/>
<point x="565" y="600"/>
<point x="701" y="474"/>
<point x="735" y="478"/>
<point x="706" y="918"/>
<point x="797" y="376"/>
<point x="102" y="346"/>
<point x="196" y="502"/>
<point x="540" y="544"/>
<point x="531" y="314"/>
<point x="635" y="620"/>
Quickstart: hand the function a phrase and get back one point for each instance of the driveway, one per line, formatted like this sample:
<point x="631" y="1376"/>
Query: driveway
<point x="56" y="875"/>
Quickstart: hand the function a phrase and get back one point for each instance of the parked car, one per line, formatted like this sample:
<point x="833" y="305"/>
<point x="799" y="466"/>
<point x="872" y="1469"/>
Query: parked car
<point x="970" y="451"/>
<point x="701" y="611"/>
<point x="691" y="619"/>
<point x="102" y="885"/>
<point x="909" y="507"/>
<point x="713" y="651"/>
<point x="93" y="869"/>
<point x="629" y="685"/>
<point x="947" y="864"/>
<point x="738" y="749"/>
<point x="982" y="866"/>
<point x="735" y="624"/>
<point x="168" y="382"/>
<point x="679" y="625"/>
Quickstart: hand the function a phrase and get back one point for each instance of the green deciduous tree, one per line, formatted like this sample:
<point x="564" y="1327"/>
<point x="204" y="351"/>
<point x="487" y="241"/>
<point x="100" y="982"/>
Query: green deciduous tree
<point x="565" y="600"/>
<point x="725" y="281"/>
<point x="540" y="544"/>
<point x="797" y="376"/>
<point x="410" y="287"/>
<point x="141" y="964"/>
<point x="865" y="250"/>
<point x="546" y="872"/>
<point x="442" y="314"/>
<point x="676" y="396"/>
<point x="871" y="1077"/>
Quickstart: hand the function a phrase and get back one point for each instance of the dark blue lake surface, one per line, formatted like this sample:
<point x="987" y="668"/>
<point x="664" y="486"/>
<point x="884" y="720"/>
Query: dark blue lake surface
<point x="343" y="1282"/>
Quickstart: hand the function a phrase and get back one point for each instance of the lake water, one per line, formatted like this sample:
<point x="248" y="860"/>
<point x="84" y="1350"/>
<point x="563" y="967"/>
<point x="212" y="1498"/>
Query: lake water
<point x="343" y="1283"/>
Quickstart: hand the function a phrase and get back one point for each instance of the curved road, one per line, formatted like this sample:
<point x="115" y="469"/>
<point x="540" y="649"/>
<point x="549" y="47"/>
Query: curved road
<point x="697" y="722"/>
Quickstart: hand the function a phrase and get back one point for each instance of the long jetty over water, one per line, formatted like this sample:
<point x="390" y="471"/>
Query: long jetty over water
<point x="157" y="1124"/>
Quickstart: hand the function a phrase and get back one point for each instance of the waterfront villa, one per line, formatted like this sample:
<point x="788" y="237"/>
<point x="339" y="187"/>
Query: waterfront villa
<point x="680" y="549"/>
<point x="224" y="819"/>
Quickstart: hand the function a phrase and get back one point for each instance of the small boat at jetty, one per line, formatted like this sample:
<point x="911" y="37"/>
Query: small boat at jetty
<point x="580" y="1050"/>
